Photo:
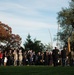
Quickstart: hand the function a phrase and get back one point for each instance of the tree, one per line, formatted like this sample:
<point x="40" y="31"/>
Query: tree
<point x="6" y="36"/>
<point x="5" y="32"/>
<point x="66" y="16"/>
<point x="14" y="41"/>
<point x="66" y="22"/>
<point x="35" y="45"/>
<point x="29" y="43"/>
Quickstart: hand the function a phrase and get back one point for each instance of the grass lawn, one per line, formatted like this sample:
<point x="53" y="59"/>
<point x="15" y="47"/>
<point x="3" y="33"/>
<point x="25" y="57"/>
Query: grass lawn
<point x="36" y="70"/>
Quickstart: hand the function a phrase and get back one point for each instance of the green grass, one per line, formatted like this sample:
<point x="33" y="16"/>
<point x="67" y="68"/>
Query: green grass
<point x="36" y="70"/>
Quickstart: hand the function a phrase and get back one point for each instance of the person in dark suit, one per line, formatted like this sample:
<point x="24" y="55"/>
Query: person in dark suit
<point x="63" y="56"/>
<point x="55" y="55"/>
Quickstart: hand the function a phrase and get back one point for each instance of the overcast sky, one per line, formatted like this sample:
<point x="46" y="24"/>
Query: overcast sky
<point x="34" y="17"/>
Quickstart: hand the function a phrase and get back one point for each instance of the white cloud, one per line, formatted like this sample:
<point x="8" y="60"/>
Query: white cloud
<point x="31" y="16"/>
<point x="33" y="7"/>
<point x="27" y="23"/>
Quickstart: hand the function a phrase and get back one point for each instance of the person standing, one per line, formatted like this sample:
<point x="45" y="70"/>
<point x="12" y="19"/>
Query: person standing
<point x="55" y="55"/>
<point x="10" y="58"/>
<point x="71" y="58"/>
<point x="47" y="57"/>
<point x="63" y="56"/>
<point x="20" y="57"/>
<point x="5" y="58"/>
<point x="15" y="54"/>
<point x="39" y="57"/>
<point x="1" y="57"/>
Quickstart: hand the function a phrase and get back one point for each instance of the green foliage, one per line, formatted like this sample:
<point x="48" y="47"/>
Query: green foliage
<point x="66" y="22"/>
<point x="72" y="41"/>
<point x="35" y="45"/>
<point x="66" y="15"/>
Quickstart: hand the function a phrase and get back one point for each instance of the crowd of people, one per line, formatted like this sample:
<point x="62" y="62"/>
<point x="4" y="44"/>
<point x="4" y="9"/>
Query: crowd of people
<point x="54" y="57"/>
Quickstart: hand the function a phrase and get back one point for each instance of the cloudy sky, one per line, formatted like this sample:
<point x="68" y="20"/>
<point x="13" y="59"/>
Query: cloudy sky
<point x="34" y="17"/>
